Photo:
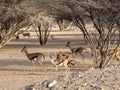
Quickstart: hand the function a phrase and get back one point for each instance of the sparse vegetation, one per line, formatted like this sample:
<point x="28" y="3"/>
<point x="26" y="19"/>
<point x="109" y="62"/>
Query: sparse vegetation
<point x="105" y="21"/>
<point x="97" y="30"/>
<point x="103" y="15"/>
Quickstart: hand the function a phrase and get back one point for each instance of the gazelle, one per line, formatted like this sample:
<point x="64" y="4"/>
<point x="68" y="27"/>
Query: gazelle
<point x="75" y="51"/>
<point x="64" y="55"/>
<point x="59" y="62"/>
<point x="115" y="52"/>
<point x="52" y="37"/>
<point x="17" y="36"/>
<point x="34" y="56"/>
<point x="25" y="34"/>
<point x="73" y="63"/>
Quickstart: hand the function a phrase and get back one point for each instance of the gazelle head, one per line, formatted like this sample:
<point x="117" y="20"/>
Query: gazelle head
<point x="18" y="33"/>
<point x="51" y="58"/>
<point x="68" y="43"/>
<point x="23" y="48"/>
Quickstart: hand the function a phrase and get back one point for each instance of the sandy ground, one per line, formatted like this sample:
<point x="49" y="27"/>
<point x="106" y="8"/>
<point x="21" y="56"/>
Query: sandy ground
<point x="16" y="71"/>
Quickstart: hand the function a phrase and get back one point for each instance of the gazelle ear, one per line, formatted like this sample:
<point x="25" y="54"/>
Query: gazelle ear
<point x="68" y="43"/>
<point x="51" y="57"/>
<point x="23" y="48"/>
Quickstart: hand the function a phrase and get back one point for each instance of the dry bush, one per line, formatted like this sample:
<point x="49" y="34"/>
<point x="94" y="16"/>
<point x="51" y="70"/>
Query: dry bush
<point x="103" y="15"/>
<point x="11" y="19"/>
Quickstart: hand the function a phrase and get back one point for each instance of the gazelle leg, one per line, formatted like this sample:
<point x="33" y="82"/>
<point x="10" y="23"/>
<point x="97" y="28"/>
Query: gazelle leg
<point x="82" y="55"/>
<point x="56" y="70"/>
<point x="66" y="67"/>
<point x="118" y="59"/>
<point x="40" y="63"/>
<point x="32" y="65"/>
<point x="67" y="72"/>
<point x="32" y="62"/>
<point x="73" y="56"/>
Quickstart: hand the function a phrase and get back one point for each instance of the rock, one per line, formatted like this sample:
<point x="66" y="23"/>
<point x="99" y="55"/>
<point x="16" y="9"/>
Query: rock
<point x="51" y="84"/>
<point x="99" y="79"/>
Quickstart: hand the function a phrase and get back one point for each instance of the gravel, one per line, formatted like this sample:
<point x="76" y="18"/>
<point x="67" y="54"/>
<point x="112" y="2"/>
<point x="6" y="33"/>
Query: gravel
<point x="92" y="79"/>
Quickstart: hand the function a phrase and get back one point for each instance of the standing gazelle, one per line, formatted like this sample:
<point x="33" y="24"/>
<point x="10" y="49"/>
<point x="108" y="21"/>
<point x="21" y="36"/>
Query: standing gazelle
<point x="61" y="60"/>
<point x="34" y="56"/>
<point x="25" y="34"/>
<point x="75" y="51"/>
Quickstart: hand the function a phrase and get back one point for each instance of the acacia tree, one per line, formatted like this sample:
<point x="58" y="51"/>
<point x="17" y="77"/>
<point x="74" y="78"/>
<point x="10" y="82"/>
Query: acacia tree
<point x="104" y="16"/>
<point x="43" y="32"/>
<point x="40" y="20"/>
<point x="62" y="23"/>
<point x="42" y="25"/>
<point x="11" y="19"/>
<point x="59" y="12"/>
<point x="17" y="14"/>
<point x="100" y="39"/>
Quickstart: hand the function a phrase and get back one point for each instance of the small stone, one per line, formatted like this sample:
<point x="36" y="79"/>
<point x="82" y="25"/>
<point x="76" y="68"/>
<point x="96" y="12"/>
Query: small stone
<point x="85" y="84"/>
<point x="52" y="83"/>
<point x="80" y="76"/>
<point x="33" y="88"/>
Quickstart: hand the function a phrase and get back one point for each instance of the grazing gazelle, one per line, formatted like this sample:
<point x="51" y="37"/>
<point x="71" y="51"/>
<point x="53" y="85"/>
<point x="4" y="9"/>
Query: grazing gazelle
<point x="75" y="51"/>
<point x="64" y="55"/>
<point x="59" y="62"/>
<point x="34" y="56"/>
<point x="73" y="63"/>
